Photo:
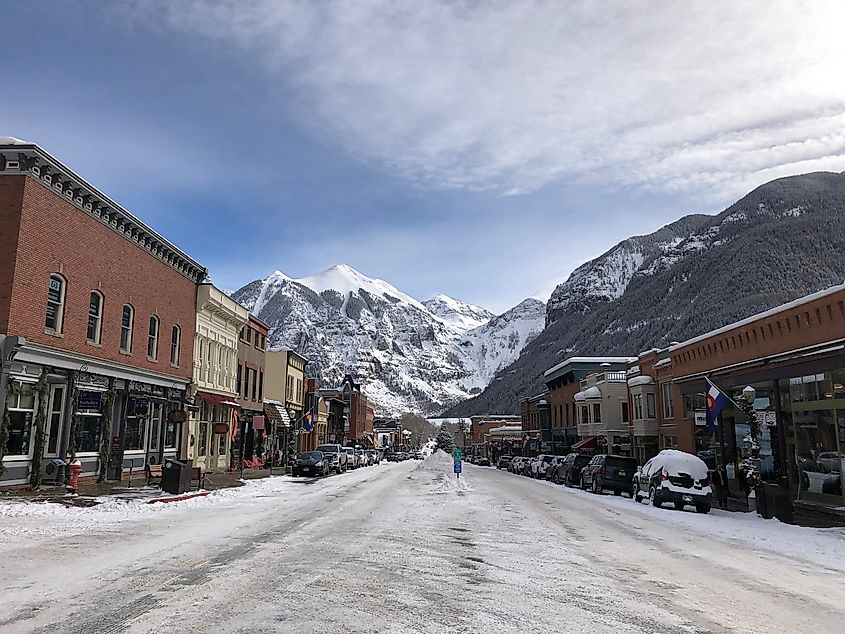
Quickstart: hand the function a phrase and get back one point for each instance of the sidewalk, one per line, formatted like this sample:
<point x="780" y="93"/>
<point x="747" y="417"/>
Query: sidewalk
<point x="90" y="491"/>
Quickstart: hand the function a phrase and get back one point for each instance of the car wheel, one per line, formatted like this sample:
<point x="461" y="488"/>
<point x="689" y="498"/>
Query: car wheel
<point x="654" y="496"/>
<point x="556" y="478"/>
<point x="617" y="492"/>
<point x="567" y="480"/>
<point x="583" y="484"/>
<point x="595" y="487"/>
<point x="702" y="507"/>
<point x="635" y="492"/>
<point x="679" y="506"/>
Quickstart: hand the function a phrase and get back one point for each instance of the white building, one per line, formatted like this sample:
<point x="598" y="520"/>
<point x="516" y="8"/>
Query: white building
<point x="213" y="425"/>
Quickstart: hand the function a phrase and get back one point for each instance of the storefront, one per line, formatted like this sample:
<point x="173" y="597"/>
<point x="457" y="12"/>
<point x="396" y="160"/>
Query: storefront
<point x="214" y="427"/>
<point x="111" y="418"/>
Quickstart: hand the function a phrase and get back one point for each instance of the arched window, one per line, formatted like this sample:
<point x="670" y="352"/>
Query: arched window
<point x="55" y="303"/>
<point x="152" y="341"/>
<point x="175" y="343"/>
<point x="127" y="321"/>
<point x="95" y="317"/>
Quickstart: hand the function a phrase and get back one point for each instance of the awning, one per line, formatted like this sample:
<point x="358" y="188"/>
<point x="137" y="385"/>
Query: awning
<point x="590" y="442"/>
<point x="277" y="413"/>
<point x="217" y="399"/>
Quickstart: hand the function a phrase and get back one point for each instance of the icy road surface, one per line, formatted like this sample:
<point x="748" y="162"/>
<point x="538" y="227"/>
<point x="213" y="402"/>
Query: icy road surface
<point x="404" y="548"/>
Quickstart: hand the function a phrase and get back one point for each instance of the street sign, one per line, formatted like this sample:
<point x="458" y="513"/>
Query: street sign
<point x="456" y="455"/>
<point x="457" y="466"/>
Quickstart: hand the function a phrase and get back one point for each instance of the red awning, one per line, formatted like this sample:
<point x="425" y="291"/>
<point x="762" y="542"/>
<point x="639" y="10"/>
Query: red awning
<point x="216" y="399"/>
<point x="590" y="442"/>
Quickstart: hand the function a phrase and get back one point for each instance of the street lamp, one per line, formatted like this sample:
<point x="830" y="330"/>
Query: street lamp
<point x="751" y="464"/>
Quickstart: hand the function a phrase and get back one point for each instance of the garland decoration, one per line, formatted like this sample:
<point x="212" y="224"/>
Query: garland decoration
<point x="105" y="430"/>
<point x="42" y="390"/>
<point x="13" y="388"/>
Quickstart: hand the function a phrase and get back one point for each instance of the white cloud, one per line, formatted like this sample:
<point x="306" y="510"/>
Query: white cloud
<point x="708" y="97"/>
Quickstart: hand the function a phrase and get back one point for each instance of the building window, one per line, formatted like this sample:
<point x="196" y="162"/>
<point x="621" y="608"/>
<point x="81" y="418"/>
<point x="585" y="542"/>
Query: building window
<point x="596" y="412"/>
<point x="55" y="304"/>
<point x="240" y="375"/>
<point x="171" y="435"/>
<point x="155" y="426"/>
<point x="95" y="317"/>
<point x="126" y="322"/>
<point x="650" y="405"/>
<point x="175" y="344"/>
<point x="638" y="406"/>
<point x="666" y="394"/>
<point x="260" y="385"/>
<point x="625" y="411"/>
<point x="254" y="384"/>
<point x="21" y="412"/>
<point x="88" y="425"/>
<point x="249" y="335"/>
<point x="152" y="340"/>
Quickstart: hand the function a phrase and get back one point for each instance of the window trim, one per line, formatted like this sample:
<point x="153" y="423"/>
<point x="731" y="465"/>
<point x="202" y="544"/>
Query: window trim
<point x="130" y="329"/>
<point x="98" y="332"/>
<point x="152" y="338"/>
<point x="60" y="304"/>
<point x="175" y="345"/>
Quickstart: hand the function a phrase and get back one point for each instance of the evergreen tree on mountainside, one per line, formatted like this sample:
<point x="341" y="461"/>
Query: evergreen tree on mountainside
<point x="444" y="440"/>
<point x="783" y="240"/>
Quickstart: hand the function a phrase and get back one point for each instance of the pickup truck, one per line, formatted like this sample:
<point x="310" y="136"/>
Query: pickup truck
<point x="337" y="455"/>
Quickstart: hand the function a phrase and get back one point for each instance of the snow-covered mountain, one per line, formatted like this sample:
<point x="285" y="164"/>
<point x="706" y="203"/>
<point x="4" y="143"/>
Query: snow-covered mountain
<point x="410" y="355"/>
<point x="459" y="314"/>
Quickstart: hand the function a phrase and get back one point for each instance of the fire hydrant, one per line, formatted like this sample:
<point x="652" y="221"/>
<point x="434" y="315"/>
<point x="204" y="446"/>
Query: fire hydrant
<point x="75" y="468"/>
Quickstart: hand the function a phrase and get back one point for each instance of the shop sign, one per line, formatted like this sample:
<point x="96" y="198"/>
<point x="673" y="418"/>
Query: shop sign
<point x="177" y="416"/>
<point x="700" y="418"/>
<point x="89" y="399"/>
<point x="140" y="406"/>
<point x="769" y="418"/>
<point x="146" y="388"/>
<point x="220" y="428"/>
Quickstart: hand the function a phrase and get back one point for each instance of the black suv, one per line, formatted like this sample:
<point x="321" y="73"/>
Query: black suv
<point x="569" y="470"/>
<point x="609" y="472"/>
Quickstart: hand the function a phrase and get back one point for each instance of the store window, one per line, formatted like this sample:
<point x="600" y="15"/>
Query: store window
<point x="95" y="316"/>
<point x="89" y="421"/>
<point x="638" y="406"/>
<point x="21" y="408"/>
<point x="221" y="444"/>
<point x="817" y="442"/>
<point x="202" y="442"/>
<point x="127" y="319"/>
<point x="55" y="303"/>
<point x="155" y="426"/>
<point x="152" y="339"/>
<point x="175" y="344"/>
<point x="171" y="434"/>
<point x="57" y="404"/>
<point x="136" y="424"/>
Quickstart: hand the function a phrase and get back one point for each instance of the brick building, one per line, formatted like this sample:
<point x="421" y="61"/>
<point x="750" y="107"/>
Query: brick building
<point x="252" y="356"/>
<point x="107" y="310"/>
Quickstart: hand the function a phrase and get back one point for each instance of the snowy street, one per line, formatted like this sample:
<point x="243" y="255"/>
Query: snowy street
<point x="403" y="547"/>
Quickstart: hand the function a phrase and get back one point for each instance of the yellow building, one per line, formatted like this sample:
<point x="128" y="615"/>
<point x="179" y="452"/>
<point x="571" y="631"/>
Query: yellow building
<point x="219" y="323"/>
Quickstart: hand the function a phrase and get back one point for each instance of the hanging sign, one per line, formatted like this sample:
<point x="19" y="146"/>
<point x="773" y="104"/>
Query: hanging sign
<point x="177" y="416"/>
<point x="89" y="399"/>
<point x="220" y="428"/>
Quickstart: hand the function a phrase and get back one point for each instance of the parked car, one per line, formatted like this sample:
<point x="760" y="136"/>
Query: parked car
<point x="551" y="468"/>
<point x="354" y="461"/>
<point x="312" y="463"/>
<point x="569" y="471"/>
<point x="504" y="462"/>
<point x="677" y="477"/>
<point x="526" y="466"/>
<point x="392" y="456"/>
<point x="363" y="458"/>
<point x="606" y="471"/>
<point x="418" y="455"/>
<point x="539" y="464"/>
<point x="483" y="461"/>
<point x="374" y="456"/>
<point x="830" y="461"/>
<point x="515" y="465"/>
<point x="338" y="460"/>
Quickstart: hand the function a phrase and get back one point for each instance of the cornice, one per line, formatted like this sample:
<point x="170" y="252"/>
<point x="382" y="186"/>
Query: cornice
<point x="32" y="161"/>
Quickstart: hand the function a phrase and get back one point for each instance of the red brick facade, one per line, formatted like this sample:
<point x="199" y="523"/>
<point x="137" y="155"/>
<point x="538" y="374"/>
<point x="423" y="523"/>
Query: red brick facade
<point x="56" y="237"/>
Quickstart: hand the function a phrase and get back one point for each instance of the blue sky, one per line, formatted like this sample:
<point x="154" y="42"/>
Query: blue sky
<point x="476" y="150"/>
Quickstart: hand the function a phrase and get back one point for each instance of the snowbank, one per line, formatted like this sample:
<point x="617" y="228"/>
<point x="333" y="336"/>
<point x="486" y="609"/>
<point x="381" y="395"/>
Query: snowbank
<point x="438" y="461"/>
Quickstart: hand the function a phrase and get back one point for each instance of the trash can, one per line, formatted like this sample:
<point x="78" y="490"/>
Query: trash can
<point x="175" y="476"/>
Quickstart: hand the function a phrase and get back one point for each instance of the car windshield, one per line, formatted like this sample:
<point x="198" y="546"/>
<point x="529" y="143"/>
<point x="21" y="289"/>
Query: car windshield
<point x="327" y="449"/>
<point x="311" y="455"/>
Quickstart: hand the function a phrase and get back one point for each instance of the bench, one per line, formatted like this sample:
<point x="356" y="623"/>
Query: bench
<point x="198" y="476"/>
<point x="153" y="472"/>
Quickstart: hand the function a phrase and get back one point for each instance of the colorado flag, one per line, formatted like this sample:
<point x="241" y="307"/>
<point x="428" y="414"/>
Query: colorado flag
<point x="716" y="400"/>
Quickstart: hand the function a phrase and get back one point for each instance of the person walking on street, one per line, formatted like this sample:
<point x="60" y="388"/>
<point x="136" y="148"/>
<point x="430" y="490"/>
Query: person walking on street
<point x="720" y="484"/>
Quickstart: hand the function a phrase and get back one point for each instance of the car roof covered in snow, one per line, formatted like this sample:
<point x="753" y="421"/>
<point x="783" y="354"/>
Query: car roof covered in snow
<point x="682" y="462"/>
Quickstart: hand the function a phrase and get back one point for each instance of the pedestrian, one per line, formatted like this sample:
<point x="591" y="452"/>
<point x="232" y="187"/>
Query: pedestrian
<point x="720" y="484"/>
